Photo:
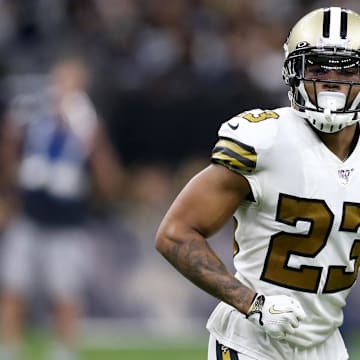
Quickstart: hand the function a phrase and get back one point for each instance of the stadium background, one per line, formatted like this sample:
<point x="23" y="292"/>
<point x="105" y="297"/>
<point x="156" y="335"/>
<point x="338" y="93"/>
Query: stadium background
<point x="166" y="74"/>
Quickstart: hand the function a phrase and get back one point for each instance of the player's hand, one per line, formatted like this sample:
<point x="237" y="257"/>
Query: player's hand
<point x="277" y="315"/>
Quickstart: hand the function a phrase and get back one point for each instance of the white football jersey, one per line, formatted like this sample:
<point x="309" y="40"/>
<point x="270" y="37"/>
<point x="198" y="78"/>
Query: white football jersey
<point x="300" y="234"/>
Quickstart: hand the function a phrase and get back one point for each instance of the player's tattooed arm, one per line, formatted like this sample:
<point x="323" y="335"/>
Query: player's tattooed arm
<point x="201" y="209"/>
<point x="200" y="264"/>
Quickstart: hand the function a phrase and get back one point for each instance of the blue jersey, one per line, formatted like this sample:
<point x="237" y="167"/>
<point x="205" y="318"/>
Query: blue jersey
<point x="53" y="172"/>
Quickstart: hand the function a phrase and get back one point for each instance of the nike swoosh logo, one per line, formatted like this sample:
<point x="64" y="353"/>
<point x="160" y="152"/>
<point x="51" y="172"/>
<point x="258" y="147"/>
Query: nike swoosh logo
<point x="273" y="311"/>
<point x="234" y="127"/>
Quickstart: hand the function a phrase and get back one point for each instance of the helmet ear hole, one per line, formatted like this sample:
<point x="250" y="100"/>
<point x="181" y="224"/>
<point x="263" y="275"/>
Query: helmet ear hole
<point x="293" y="81"/>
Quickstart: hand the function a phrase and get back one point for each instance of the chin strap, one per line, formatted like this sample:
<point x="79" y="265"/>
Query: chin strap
<point x="326" y="120"/>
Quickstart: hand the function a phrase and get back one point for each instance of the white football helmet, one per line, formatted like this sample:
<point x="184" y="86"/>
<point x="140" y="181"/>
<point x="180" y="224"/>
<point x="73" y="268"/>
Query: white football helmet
<point x="330" y="39"/>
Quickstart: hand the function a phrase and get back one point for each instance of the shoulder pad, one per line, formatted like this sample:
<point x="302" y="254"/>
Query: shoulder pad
<point x="251" y="126"/>
<point x="243" y="137"/>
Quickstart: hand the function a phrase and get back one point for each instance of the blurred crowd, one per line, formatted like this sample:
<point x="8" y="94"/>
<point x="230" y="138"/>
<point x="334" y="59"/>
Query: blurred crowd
<point x="157" y="64"/>
<point x="164" y="75"/>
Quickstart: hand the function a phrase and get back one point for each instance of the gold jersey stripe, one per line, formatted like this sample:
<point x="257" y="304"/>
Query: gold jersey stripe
<point x="234" y="145"/>
<point x="225" y="353"/>
<point x="234" y="155"/>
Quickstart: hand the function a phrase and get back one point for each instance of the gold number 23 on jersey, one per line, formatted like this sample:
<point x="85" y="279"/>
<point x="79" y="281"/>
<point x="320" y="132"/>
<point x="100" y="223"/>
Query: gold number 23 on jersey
<point x="257" y="117"/>
<point x="283" y="245"/>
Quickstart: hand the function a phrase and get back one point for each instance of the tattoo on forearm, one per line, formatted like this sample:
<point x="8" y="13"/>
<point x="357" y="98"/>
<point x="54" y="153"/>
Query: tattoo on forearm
<point x="198" y="262"/>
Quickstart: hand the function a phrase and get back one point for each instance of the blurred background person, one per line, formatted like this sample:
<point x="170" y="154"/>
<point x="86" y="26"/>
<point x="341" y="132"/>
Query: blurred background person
<point x="54" y="155"/>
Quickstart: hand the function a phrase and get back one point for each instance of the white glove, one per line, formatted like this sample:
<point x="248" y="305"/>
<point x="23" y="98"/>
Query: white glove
<point x="277" y="315"/>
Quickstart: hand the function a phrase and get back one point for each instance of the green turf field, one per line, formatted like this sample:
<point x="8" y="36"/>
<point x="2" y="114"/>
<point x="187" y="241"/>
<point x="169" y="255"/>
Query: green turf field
<point x="133" y="354"/>
<point x="173" y="353"/>
<point x="37" y="346"/>
<point x="168" y="353"/>
<point x="146" y="354"/>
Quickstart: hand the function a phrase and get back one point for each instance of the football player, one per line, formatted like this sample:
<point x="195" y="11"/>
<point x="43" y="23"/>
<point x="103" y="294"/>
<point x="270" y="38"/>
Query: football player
<point x="290" y="179"/>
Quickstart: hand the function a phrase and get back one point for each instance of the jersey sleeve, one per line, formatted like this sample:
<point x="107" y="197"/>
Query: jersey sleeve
<point x="243" y="139"/>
